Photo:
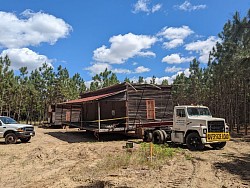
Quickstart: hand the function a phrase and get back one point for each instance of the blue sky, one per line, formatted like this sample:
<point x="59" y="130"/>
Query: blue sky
<point x="130" y="37"/>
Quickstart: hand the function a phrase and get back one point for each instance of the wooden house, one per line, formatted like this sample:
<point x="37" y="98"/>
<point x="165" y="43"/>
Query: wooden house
<point x="122" y="107"/>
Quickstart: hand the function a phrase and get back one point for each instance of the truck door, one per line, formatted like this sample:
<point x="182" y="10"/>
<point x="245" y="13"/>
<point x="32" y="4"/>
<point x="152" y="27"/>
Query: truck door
<point x="2" y="128"/>
<point x="180" y="120"/>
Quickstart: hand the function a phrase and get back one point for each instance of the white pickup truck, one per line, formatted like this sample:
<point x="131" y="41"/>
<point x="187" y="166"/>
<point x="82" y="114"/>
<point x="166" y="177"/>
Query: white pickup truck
<point x="193" y="126"/>
<point x="12" y="131"/>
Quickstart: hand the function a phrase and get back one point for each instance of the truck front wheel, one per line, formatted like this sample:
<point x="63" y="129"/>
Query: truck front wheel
<point x="25" y="140"/>
<point x="218" y="145"/>
<point x="10" y="138"/>
<point x="193" y="142"/>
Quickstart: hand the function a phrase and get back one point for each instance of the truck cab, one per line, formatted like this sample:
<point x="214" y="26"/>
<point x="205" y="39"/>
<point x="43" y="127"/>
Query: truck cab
<point x="11" y="131"/>
<point x="195" y="127"/>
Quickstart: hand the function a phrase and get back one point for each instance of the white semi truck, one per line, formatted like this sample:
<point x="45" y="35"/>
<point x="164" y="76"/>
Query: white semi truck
<point x="193" y="126"/>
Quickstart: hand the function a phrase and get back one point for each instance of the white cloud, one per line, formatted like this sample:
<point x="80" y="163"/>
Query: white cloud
<point x="175" y="32"/>
<point x="173" y="43"/>
<point x="31" y="30"/>
<point x="158" y="80"/>
<point x="121" y="71"/>
<point x="156" y="8"/>
<point x="176" y="59"/>
<point x="97" y="68"/>
<point x="173" y="69"/>
<point x="203" y="47"/>
<point x="124" y="47"/>
<point x="141" y="69"/>
<point x="144" y="6"/>
<point x="25" y="57"/>
<point x="141" y="6"/>
<point x="134" y="63"/>
<point x="186" y="73"/>
<point x="176" y="35"/>
<point x="187" y="6"/>
<point x="146" y="54"/>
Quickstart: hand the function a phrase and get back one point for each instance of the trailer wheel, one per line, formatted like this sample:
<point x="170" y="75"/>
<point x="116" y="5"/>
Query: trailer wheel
<point x="158" y="137"/>
<point x="193" y="142"/>
<point x="218" y="145"/>
<point x="148" y="137"/>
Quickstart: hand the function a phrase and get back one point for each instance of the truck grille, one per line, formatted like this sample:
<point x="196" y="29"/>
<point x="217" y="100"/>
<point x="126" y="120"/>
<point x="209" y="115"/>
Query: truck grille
<point x="216" y="126"/>
<point x="29" y="128"/>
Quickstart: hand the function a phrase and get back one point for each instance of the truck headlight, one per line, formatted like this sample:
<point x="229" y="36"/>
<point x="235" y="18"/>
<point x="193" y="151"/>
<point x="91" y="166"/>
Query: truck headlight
<point x="20" y="130"/>
<point x="204" y="131"/>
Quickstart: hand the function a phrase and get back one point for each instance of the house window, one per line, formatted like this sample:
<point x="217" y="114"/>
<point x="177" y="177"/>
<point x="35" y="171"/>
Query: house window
<point x="150" y="104"/>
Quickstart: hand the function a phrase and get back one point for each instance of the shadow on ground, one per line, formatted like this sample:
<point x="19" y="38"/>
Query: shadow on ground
<point x="239" y="166"/>
<point x="82" y="136"/>
<point x="101" y="184"/>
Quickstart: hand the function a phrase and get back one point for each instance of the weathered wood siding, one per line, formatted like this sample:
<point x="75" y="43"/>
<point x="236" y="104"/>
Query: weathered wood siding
<point x="137" y="109"/>
<point x="64" y="115"/>
<point x="116" y="103"/>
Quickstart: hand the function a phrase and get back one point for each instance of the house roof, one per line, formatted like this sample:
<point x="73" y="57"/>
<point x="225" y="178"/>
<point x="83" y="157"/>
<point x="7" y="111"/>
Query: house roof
<point x="93" y="98"/>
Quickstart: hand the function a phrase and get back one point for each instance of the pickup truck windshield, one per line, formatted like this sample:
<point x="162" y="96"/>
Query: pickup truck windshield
<point x="198" y="112"/>
<point x="8" y="120"/>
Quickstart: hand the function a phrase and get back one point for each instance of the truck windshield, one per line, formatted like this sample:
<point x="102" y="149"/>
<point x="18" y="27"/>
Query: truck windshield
<point x="198" y="112"/>
<point x="8" y="120"/>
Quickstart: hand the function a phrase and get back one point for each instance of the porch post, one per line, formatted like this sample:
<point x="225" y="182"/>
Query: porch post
<point x="99" y="116"/>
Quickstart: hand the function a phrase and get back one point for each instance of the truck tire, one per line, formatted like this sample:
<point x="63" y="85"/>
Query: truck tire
<point x="10" y="138"/>
<point x="158" y="137"/>
<point x="193" y="142"/>
<point x="218" y="145"/>
<point x="25" y="140"/>
<point x="148" y="137"/>
<point x="165" y="136"/>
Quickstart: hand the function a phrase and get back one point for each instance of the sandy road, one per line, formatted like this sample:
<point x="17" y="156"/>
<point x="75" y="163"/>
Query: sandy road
<point x="55" y="158"/>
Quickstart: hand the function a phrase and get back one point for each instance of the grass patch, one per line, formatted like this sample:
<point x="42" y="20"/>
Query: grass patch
<point x="140" y="158"/>
<point x="188" y="156"/>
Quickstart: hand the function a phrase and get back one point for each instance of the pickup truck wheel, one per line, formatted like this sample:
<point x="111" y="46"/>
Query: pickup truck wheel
<point x="218" y="145"/>
<point x="10" y="138"/>
<point x="158" y="137"/>
<point x="193" y="142"/>
<point x="25" y="140"/>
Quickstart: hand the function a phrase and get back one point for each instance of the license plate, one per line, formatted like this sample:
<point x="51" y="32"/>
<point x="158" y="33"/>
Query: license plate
<point x="218" y="137"/>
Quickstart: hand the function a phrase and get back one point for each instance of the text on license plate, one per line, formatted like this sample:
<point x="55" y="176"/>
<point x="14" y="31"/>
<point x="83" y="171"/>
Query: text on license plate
<point x="218" y="136"/>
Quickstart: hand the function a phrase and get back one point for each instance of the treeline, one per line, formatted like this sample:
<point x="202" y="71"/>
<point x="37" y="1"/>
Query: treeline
<point x="28" y="95"/>
<point x="224" y="85"/>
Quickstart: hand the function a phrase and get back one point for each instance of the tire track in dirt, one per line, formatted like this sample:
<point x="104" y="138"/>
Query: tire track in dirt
<point x="234" y="169"/>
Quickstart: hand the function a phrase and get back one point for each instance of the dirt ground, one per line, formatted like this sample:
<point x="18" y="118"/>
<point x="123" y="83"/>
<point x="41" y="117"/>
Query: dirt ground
<point x="57" y="158"/>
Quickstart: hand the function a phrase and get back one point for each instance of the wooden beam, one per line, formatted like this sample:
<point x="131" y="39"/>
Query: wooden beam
<point x="99" y="116"/>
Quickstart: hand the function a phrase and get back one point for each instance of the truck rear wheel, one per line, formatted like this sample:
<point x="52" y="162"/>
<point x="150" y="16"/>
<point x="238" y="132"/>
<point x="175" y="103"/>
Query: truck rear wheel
<point x="158" y="137"/>
<point x="10" y="138"/>
<point x="218" y="145"/>
<point x="165" y="136"/>
<point x="148" y="137"/>
<point x="25" y="140"/>
<point x="193" y="142"/>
